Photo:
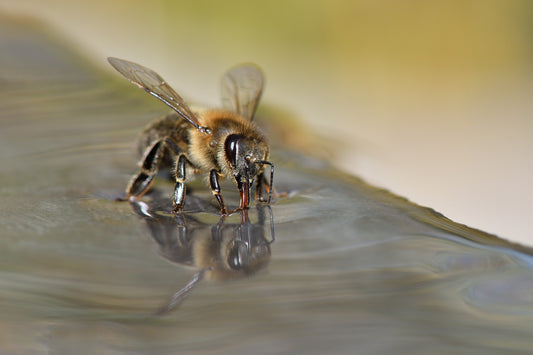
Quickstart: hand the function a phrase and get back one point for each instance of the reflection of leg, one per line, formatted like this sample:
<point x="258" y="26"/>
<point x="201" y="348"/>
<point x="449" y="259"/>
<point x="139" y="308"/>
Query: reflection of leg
<point x="141" y="182"/>
<point x="216" y="229"/>
<point x="179" y="190"/>
<point x="215" y="189"/>
<point x="183" y="238"/>
<point x="180" y="295"/>
<point x="272" y="232"/>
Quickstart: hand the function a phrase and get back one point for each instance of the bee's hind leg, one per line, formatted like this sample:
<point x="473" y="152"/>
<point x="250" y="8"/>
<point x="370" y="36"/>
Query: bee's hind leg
<point x="141" y="182"/>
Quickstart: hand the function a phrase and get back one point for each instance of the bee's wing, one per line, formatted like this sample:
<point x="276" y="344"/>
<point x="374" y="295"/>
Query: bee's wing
<point x="155" y="85"/>
<point x="241" y="89"/>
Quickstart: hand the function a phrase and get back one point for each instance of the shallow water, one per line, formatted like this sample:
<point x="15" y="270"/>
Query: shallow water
<point x="344" y="267"/>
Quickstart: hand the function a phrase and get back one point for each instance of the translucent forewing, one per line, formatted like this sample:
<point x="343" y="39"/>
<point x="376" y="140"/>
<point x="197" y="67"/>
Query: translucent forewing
<point x="241" y="89"/>
<point x="155" y="85"/>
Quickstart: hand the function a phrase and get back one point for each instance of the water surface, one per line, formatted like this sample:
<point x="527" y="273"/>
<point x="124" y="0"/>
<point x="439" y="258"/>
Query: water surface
<point x="335" y="266"/>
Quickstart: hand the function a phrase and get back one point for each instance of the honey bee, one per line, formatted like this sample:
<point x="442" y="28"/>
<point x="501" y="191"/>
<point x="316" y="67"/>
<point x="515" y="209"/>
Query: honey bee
<point x="223" y="143"/>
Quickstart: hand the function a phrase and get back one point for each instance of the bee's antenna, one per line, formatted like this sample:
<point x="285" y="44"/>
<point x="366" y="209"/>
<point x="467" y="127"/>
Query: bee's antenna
<point x="271" y="178"/>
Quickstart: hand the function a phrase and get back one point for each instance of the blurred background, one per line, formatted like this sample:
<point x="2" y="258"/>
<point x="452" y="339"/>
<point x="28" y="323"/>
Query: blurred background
<point x="429" y="99"/>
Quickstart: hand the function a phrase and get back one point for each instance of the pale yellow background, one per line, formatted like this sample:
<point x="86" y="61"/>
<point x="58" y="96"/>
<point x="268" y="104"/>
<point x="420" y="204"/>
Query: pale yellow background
<point x="430" y="99"/>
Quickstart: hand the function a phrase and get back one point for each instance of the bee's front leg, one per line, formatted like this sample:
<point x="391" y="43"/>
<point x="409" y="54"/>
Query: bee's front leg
<point x="215" y="189"/>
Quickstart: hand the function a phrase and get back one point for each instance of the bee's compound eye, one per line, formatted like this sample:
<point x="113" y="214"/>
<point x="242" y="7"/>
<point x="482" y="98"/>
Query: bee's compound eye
<point x="231" y="147"/>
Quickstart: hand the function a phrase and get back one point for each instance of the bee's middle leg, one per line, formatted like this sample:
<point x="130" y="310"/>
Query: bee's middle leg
<point x="180" y="188"/>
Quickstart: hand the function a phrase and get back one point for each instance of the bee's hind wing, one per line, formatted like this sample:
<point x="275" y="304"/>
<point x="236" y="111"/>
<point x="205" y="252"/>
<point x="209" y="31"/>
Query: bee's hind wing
<point x="241" y="89"/>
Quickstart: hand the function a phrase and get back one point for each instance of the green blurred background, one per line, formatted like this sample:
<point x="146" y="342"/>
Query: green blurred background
<point x="430" y="99"/>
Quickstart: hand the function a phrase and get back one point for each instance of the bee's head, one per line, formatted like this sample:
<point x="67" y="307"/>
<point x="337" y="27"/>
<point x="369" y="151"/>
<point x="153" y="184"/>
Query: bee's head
<point x="247" y="157"/>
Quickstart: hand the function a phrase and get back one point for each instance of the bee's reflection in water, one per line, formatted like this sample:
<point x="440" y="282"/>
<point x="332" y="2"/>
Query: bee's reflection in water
<point x="226" y="249"/>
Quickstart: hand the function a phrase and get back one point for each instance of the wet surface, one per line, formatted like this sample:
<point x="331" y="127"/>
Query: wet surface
<point x="335" y="266"/>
